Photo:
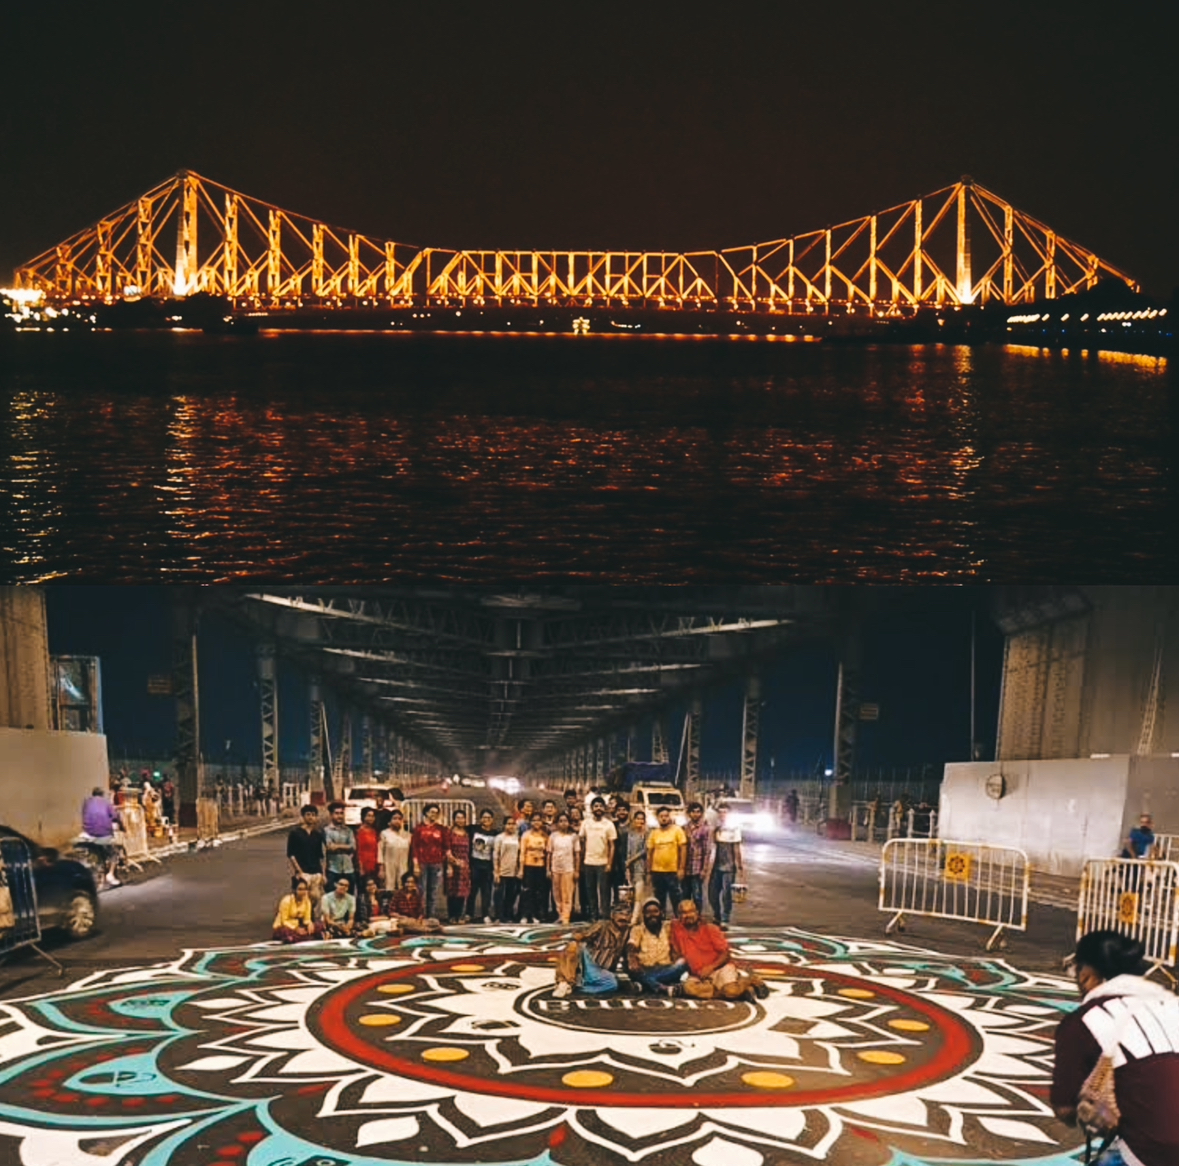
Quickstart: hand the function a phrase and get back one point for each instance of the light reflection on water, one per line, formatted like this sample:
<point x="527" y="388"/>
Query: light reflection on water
<point x="332" y="458"/>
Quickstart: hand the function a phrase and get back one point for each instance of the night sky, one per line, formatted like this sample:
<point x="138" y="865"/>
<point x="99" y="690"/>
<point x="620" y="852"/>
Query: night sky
<point x="633" y="125"/>
<point x="916" y="665"/>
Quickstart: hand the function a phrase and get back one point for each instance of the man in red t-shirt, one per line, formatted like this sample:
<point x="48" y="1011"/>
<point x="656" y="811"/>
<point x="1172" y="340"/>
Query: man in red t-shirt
<point x="711" y="968"/>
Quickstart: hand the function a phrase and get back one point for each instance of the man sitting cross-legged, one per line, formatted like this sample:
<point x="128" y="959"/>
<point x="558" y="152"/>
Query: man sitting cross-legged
<point x="711" y="968"/>
<point x="650" y="959"/>
<point x="589" y="962"/>
<point x="337" y="910"/>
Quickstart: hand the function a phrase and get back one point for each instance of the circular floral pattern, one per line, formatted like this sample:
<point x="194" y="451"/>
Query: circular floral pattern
<point x="453" y="1048"/>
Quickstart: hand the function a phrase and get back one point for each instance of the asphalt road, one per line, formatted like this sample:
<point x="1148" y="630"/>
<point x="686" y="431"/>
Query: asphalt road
<point x="227" y="896"/>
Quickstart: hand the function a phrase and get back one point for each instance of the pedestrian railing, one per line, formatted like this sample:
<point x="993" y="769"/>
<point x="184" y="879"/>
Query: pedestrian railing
<point x="1137" y="898"/>
<point x="414" y="809"/>
<point x="1166" y="848"/>
<point x="970" y="881"/>
<point x="20" y="926"/>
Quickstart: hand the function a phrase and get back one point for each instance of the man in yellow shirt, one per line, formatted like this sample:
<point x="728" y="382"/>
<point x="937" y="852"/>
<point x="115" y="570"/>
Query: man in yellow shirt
<point x="667" y="856"/>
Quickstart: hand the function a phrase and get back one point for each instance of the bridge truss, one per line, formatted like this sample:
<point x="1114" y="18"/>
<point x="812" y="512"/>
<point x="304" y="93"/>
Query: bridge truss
<point x="959" y="245"/>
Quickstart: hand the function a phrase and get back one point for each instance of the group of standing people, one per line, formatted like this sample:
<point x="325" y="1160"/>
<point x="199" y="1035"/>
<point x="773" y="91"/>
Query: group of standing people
<point x="545" y="864"/>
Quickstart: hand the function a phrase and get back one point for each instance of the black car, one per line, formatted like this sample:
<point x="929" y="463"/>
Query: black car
<point x="67" y="896"/>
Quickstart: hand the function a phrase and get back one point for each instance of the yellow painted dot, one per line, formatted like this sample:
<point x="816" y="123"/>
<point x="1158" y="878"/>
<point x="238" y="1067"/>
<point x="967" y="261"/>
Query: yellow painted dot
<point x="587" y="1079"/>
<point x="909" y="1025"/>
<point x="468" y="968"/>
<point x="445" y="1054"/>
<point x="395" y="989"/>
<point x="767" y="1080"/>
<point x="879" y="1057"/>
<point x="380" y="1019"/>
<point x="856" y="993"/>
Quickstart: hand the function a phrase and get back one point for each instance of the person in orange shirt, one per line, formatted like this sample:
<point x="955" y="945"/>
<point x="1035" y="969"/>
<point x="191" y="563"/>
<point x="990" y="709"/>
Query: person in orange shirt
<point x="712" y="971"/>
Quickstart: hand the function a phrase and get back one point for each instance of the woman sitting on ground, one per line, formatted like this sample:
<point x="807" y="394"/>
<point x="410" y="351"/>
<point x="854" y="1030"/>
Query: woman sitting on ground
<point x="1125" y="1015"/>
<point x="372" y="909"/>
<point x="293" y="923"/>
<point x="407" y="909"/>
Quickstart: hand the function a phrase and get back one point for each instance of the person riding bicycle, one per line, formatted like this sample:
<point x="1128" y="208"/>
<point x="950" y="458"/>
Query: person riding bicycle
<point x="99" y="819"/>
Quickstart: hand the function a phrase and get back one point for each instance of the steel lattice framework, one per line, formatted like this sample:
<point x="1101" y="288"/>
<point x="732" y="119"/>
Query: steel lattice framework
<point x="959" y="245"/>
<point x="547" y="680"/>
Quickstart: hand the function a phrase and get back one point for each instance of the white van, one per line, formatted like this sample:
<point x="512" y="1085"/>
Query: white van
<point x="653" y="796"/>
<point x="360" y="797"/>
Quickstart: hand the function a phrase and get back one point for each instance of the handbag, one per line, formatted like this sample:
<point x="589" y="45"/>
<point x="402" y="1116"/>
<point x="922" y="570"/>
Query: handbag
<point x="1098" y="1114"/>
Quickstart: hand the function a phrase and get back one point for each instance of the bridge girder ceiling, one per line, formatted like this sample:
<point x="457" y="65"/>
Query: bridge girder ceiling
<point x="481" y="676"/>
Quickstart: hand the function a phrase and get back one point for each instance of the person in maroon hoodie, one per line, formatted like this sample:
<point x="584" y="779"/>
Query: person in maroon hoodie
<point x="427" y="849"/>
<point x="1123" y="1015"/>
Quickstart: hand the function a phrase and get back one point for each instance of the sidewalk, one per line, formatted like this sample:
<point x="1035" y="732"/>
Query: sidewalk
<point x="1060" y="891"/>
<point x="187" y="840"/>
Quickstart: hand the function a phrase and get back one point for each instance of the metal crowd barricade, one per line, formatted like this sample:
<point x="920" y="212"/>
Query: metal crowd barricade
<point x="1166" y="848"/>
<point x="414" y="809"/>
<point x="971" y="881"/>
<point x="26" y="923"/>
<point x="1138" y="898"/>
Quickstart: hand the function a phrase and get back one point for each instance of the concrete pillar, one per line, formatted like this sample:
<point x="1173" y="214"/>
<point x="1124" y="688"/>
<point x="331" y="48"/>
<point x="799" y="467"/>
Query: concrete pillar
<point x="26" y="688"/>
<point x="186" y="692"/>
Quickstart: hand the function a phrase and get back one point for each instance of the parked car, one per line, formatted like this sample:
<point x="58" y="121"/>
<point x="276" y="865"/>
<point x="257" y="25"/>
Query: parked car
<point x="67" y="895"/>
<point x="358" y="797"/>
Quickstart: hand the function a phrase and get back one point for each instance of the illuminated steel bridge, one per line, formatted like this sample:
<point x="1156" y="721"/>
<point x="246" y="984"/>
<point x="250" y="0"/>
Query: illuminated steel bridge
<point x="959" y="245"/>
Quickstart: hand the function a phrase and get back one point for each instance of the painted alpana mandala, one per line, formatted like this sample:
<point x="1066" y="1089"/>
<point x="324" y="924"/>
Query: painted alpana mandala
<point x="453" y="1049"/>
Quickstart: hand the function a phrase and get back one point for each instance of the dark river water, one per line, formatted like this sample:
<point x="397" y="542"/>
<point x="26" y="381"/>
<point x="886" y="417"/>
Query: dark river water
<point x="348" y="457"/>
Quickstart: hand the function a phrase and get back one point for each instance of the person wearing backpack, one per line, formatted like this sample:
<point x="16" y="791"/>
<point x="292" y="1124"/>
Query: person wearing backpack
<point x="1117" y="1056"/>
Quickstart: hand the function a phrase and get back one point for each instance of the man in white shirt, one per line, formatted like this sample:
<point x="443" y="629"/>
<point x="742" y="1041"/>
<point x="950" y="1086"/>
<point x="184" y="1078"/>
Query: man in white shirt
<point x="598" y="837"/>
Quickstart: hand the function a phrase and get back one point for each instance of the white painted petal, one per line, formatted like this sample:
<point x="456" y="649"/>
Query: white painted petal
<point x="718" y="1152"/>
<point x="41" y="1147"/>
<point x="221" y="1002"/>
<point x="385" y="1089"/>
<point x="951" y="1000"/>
<point x="985" y="1019"/>
<point x="318" y="1061"/>
<point x="298" y="995"/>
<point x="387" y="1129"/>
<point x="958" y="1091"/>
<point x="778" y="1122"/>
<point x="211" y="1064"/>
<point x="642" y="1123"/>
<point x="288" y="1038"/>
<point x="287" y="1012"/>
<point x="996" y="1065"/>
<point x="902" y="1108"/>
<point x="1020" y="1131"/>
<point x="998" y="1043"/>
<point x="493" y="1111"/>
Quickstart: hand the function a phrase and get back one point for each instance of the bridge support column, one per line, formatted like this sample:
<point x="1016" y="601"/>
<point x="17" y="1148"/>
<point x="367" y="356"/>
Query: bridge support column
<point x="847" y="711"/>
<point x="691" y="766"/>
<point x="318" y="717"/>
<point x="186" y="692"/>
<point x="750" y="729"/>
<point x="268" y="701"/>
<point x="185" y="277"/>
<point x="658" y="740"/>
<point x="366" y="748"/>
